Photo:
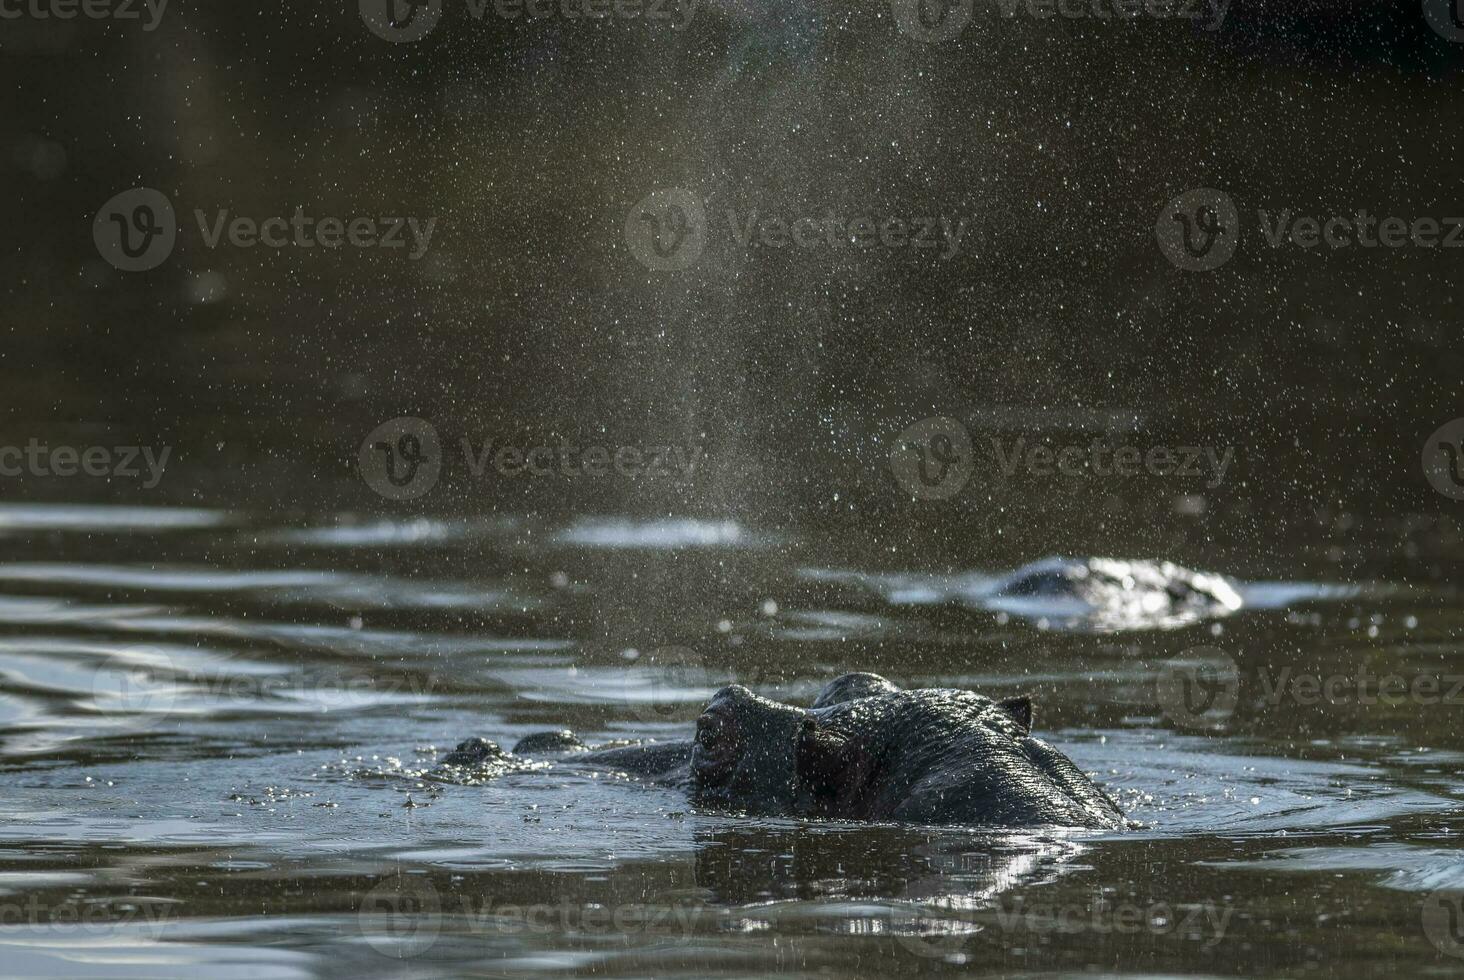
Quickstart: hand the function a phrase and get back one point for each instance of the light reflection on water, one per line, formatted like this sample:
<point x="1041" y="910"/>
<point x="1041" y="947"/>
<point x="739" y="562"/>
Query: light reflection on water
<point x="195" y="735"/>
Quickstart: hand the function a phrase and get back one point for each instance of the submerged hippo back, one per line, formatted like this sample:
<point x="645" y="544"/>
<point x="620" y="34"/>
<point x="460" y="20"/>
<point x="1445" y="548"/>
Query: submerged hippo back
<point x="1113" y="593"/>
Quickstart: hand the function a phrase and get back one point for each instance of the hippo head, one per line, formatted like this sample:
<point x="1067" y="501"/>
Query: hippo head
<point x="745" y="749"/>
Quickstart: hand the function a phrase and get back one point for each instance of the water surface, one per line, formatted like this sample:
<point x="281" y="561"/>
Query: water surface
<point x="218" y="736"/>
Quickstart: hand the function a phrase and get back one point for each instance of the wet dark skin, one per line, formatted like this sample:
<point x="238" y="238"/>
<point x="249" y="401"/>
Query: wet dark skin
<point x="865" y="750"/>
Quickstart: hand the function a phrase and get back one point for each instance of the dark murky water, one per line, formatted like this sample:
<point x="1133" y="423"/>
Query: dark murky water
<point x="223" y="684"/>
<point x="216" y="730"/>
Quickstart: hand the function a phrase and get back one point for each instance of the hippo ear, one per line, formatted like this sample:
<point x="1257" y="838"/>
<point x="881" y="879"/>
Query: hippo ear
<point x="836" y="773"/>
<point x="817" y="755"/>
<point x="1019" y="710"/>
<point x="822" y="758"/>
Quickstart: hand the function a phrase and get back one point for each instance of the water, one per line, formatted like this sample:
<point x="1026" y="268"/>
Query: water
<point x="218" y="735"/>
<point x="223" y="685"/>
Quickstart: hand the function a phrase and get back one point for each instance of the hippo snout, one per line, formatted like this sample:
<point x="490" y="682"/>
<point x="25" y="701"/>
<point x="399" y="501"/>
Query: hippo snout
<point x="743" y="752"/>
<point x="718" y="742"/>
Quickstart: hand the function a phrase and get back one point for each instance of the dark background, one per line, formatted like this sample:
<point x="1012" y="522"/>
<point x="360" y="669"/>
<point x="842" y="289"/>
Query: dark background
<point x="530" y="319"/>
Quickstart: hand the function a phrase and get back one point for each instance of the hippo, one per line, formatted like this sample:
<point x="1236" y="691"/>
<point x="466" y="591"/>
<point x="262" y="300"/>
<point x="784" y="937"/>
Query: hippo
<point x="866" y="750"/>
<point x="1111" y="593"/>
<point x="1084" y="594"/>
